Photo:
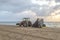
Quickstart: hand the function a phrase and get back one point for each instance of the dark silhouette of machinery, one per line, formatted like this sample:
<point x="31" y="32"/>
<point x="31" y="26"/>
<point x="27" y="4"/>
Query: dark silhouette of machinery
<point x="27" y="23"/>
<point x="39" y="23"/>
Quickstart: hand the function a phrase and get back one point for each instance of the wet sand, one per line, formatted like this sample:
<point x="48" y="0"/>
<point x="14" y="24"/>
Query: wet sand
<point x="9" y="32"/>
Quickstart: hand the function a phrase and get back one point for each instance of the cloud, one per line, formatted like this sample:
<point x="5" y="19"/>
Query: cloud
<point x="22" y="5"/>
<point x="57" y="0"/>
<point x="14" y="5"/>
<point x="17" y="9"/>
<point x="45" y="6"/>
<point x="54" y="17"/>
<point x="40" y="2"/>
<point x="8" y="16"/>
<point x="50" y="3"/>
<point x="27" y="14"/>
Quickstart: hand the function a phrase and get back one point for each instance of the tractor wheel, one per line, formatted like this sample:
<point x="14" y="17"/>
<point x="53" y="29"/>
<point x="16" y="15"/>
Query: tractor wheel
<point x="17" y="23"/>
<point x="44" y="25"/>
<point x="40" y="26"/>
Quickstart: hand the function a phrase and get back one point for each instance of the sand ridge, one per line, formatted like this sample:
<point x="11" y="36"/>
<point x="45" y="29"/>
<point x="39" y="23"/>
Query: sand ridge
<point x="9" y="32"/>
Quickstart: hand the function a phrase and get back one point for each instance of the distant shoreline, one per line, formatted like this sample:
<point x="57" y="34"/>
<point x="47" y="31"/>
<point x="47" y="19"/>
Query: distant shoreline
<point x="48" y="24"/>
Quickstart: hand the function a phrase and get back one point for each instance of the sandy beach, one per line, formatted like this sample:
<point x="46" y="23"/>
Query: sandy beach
<point x="9" y="32"/>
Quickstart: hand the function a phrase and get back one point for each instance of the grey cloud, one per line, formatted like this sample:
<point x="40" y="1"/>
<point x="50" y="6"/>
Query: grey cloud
<point x="16" y="6"/>
<point x="57" y="0"/>
<point x="42" y="12"/>
<point x="54" y="0"/>
<point x="54" y="8"/>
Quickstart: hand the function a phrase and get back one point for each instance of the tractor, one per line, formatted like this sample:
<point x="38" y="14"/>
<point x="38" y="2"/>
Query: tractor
<point x="27" y="23"/>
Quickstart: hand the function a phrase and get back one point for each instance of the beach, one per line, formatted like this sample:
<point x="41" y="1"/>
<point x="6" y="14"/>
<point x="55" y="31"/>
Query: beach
<point x="10" y="32"/>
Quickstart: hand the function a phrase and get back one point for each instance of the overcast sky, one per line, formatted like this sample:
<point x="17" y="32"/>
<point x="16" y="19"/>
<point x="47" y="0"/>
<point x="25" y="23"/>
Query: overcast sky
<point x="15" y="10"/>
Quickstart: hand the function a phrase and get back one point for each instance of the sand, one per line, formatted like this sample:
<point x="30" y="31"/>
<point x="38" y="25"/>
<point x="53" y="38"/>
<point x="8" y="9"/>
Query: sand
<point x="9" y="32"/>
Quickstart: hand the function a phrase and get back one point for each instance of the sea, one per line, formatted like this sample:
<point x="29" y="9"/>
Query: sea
<point x="52" y="24"/>
<point x="48" y="24"/>
<point x="8" y="23"/>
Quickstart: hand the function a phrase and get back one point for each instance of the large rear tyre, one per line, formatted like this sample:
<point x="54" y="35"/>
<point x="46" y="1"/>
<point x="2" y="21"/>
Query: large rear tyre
<point x="44" y="25"/>
<point x="40" y="26"/>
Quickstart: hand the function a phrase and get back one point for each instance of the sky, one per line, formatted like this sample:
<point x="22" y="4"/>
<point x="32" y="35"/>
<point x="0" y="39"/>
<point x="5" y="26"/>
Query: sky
<point x="16" y="10"/>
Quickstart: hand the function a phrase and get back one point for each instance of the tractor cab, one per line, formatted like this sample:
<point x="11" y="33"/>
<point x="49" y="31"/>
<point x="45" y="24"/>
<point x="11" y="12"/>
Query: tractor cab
<point x="25" y="22"/>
